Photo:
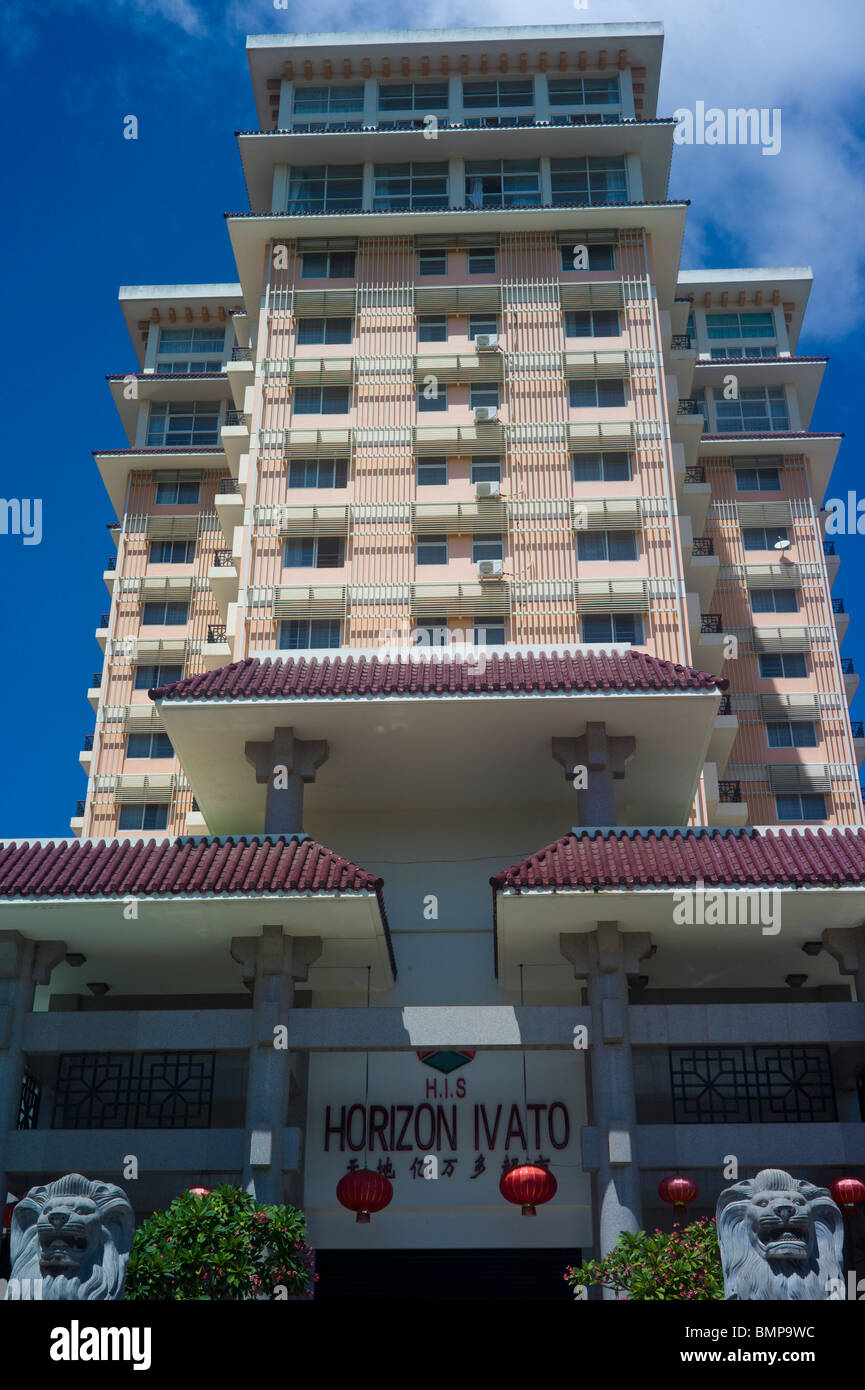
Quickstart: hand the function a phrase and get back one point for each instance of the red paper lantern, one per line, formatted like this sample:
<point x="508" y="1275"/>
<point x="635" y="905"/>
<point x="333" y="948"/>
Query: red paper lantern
<point x="364" y="1191"/>
<point x="847" y="1192"/>
<point x="678" y="1191"/>
<point x="200" y="1191"/>
<point x="528" y="1186"/>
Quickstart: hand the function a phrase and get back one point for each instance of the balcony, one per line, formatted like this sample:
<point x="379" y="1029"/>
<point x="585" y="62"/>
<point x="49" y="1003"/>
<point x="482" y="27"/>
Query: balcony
<point x="729" y="792"/>
<point x="681" y="342"/>
<point x="703" y="545"/>
<point x="240" y="372"/>
<point x="216" y="650"/>
<point x="701" y="566"/>
<point x="223" y="578"/>
<point x="723" y="735"/>
<point x="707" y="637"/>
<point x="689" y="406"/>
<point x="695" y="475"/>
<point x="829" y="548"/>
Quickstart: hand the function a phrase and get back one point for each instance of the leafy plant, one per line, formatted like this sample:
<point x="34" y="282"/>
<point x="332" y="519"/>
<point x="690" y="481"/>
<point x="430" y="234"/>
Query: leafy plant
<point x="652" y="1265"/>
<point x="224" y="1245"/>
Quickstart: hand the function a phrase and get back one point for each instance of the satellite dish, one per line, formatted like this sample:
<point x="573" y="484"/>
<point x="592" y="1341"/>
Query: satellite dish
<point x="782" y="545"/>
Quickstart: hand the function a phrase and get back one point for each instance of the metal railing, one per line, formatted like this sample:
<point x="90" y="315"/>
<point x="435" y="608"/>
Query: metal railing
<point x="226" y="485"/>
<point x="681" y="342"/>
<point x="96" y="681"/>
<point x="103" y="619"/>
<point x="79" y="808"/>
<point x="240" y="354"/>
<point x="695" y="475"/>
<point x="724" y="707"/>
<point x="710" y="622"/>
<point x="216" y="632"/>
<point x="222" y="559"/>
<point x="838" y="605"/>
<point x="752" y="1085"/>
<point x="858" y="728"/>
<point x="111" y="563"/>
<point x="689" y="406"/>
<point x="233" y="417"/>
<point x="729" y="791"/>
<point x="847" y="666"/>
<point x="703" y="545"/>
<point x="829" y="548"/>
<point x="88" y="743"/>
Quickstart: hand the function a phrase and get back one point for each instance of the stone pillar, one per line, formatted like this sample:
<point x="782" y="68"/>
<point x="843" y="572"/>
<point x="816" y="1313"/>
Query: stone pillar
<point x="24" y="964"/>
<point x="271" y="964"/>
<point x="284" y="763"/>
<point x="605" y="958"/>
<point x="847" y="945"/>
<point x="594" y="762"/>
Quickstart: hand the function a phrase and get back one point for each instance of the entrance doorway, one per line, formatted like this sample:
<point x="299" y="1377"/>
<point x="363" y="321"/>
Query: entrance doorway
<point x="459" y="1275"/>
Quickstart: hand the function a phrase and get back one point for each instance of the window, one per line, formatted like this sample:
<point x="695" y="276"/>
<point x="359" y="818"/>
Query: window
<point x="431" y="550"/>
<point x="481" y="260"/>
<point x="317" y="472"/>
<point x="601" y="257"/>
<point x="437" y="399"/>
<point x="142" y="815"/>
<point x="484" y="393"/>
<point x="329" y="330"/>
<point x="774" y="601"/>
<point x="413" y="96"/>
<point x="432" y="328"/>
<point x="413" y="185"/>
<point x="178" y="489"/>
<point x="327" y="265"/>
<point x="613" y="627"/>
<point x="719" y="354"/>
<point x="172" y="424"/>
<point x="432" y="472"/>
<point x="301" y="634"/>
<point x="432" y="262"/>
<point x="434" y="632"/>
<point x="740" y="326"/>
<point x="588" y="179"/>
<point x="184" y="350"/>
<point x="758" y="409"/>
<point x="321" y="400"/>
<point x="323" y="100"/>
<point x="489" y="632"/>
<point x="324" y="187"/>
<point x="592" y="323"/>
<point x="763" y="537"/>
<point x="491" y="92"/>
<point x="171" y="552"/>
<point x="164" y="613"/>
<point x="149" y="745"/>
<point x="149" y="677"/>
<point x="482" y="323"/>
<point x="314" y="552"/>
<point x="758" y="479"/>
<point x="486" y="470"/>
<point x="784" y="733"/>
<point x="500" y="183"/>
<point x="596" y="393"/>
<point x="783" y="666"/>
<point x="583" y="91"/>
<point x="801" y="806"/>
<point x="601" y="468"/>
<point x="487" y="548"/>
<point x="606" y="545"/>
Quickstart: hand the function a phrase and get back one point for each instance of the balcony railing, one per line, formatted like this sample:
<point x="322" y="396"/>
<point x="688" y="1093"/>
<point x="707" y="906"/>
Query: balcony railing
<point x="216" y="632"/>
<point x="28" y="1102"/>
<point x="111" y="563"/>
<point x="710" y="622"/>
<point x="103" y="619"/>
<point x="847" y="666"/>
<point x="729" y="791"/>
<point x="724" y="707"/>
<point x="689" y="406"/>
<point x="234" y="417"/>
<point x="240" y="354"/>
<point x="838" y="605"/>
<point x="96" y="681"/>
<point x="79" y="809"/>
<point x="681" y="342"/>
<point x="752" y="1085"/>
<point x="222" y="559"/>
<point x="226" y="485"/>
<point x="703" y="545"/>
<point x="88" y="743"/>
<point x="829" y="548"/>
<point x="695" y="475"/>
<point x="128" y="1090"/>
<point x="858" y="728"/>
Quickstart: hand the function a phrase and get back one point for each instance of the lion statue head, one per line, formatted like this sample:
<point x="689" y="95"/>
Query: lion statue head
<point x="75" y="1235"/>
<point x="780" y="1238"/>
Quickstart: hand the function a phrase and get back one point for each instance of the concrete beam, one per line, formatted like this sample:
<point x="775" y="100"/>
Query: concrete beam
<point x="58" y="1151"/>
<point x="145" y="1030"/>
<point x="794" y="1147"/>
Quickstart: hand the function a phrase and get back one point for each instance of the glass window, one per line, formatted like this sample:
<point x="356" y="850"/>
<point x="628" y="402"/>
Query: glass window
<point x="327" y="265"/>
<point x="433" y="632"/>
<point x="494" y="93"/>
<point x="164" y="613"/>
<point x="178" y="489"/>
<point x="740" y="325"/>
<point x="487" y="548"/>
<point x="432" y="328"/>
<point x="437" y="399"/>
<point x="596" y="393"/>
<point x="321" y="400"/>
<point x="414" y="185"/>
<point x="500" y="183"/>
<point x="432" y="472"/>
<point x="326" y="330"/>
<point x="481" y="260"/>
<point x="484" y="393"/>
<point x="482" y="323"/>
<point x="172" y="552"/>
<point x="783" y="665"/>
<point x="432" y="262"/>
<point x="583" y="91"/>
<point x="317" y="472"/>
<point x="142" y="815"/>
<point x="413" y="96"/>
<point x="149" y="677"/>
<point x="324" y="187"/>
<point x="592" y="323"/>
<point x="149" y="745"/>
<point x="489" y="632"/>
<point x="300" y="634"/>
<point x="314" y="552"/>
<point x="606" y="545"/>
<point x="601" y="257"/>
<point x="183" y="350"/>
<point x="431" y="550"/>
<point x="758" y="480"/>
<point x="612" y="627"/>
<point x="721" y="354"/>
<point x="588" y="179"/>
<point x="759" y="409"/>
<point x="774" y="601"/>
<point x="172" y="424"/>
<point x="486" y="470"/>
<point x="763" y="537"/>
<point x="801" y="806"/>
<point x="312" y="100"/>
<point x="601" y="468"/>
<point x="784" y="733"/>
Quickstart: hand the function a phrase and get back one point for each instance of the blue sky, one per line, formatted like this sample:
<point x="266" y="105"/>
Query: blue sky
<point x="88" y="211"/>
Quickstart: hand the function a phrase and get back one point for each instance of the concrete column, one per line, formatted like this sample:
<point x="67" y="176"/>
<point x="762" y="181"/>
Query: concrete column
<point x="605" y="958"/>
<point x="593" y="762"/>
<point x="286" y="105"/>
<point x="271" y="964"/>
<point x="24" y="964"/>
<point x="542" y="97"/>
<point x="284" y="763"/>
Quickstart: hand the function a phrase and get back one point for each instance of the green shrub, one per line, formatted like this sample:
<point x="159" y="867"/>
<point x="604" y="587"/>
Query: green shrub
<point x="656" y="1265"/>
<point x="224" y="1245"/>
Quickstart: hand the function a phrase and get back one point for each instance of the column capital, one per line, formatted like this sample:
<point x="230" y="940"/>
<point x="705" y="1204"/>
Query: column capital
<point x="275" y="953"/>
<point x="605" y="950"/>
<point x="847" y="946"/>
<point x="20" y="955"/>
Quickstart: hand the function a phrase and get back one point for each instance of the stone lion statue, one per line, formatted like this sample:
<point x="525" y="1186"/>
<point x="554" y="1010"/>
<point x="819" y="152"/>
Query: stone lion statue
<point x="780" y="1238"/>
<point x="75" y="1235"/>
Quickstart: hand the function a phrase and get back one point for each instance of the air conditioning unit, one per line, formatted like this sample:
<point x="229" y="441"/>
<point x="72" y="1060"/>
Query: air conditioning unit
<point x="485" y="414"/>
<point x="488" y="489"/>
<point x="490" y="569"/>
<point x="484" y="342"/>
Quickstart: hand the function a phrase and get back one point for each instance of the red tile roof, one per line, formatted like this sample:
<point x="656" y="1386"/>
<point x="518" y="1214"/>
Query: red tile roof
<point x="619" y="858"/>
<point x="518" y="673"/>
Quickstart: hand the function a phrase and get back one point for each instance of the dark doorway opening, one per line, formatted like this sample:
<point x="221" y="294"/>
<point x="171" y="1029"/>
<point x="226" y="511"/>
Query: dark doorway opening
<point x="461" y="1275"/>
